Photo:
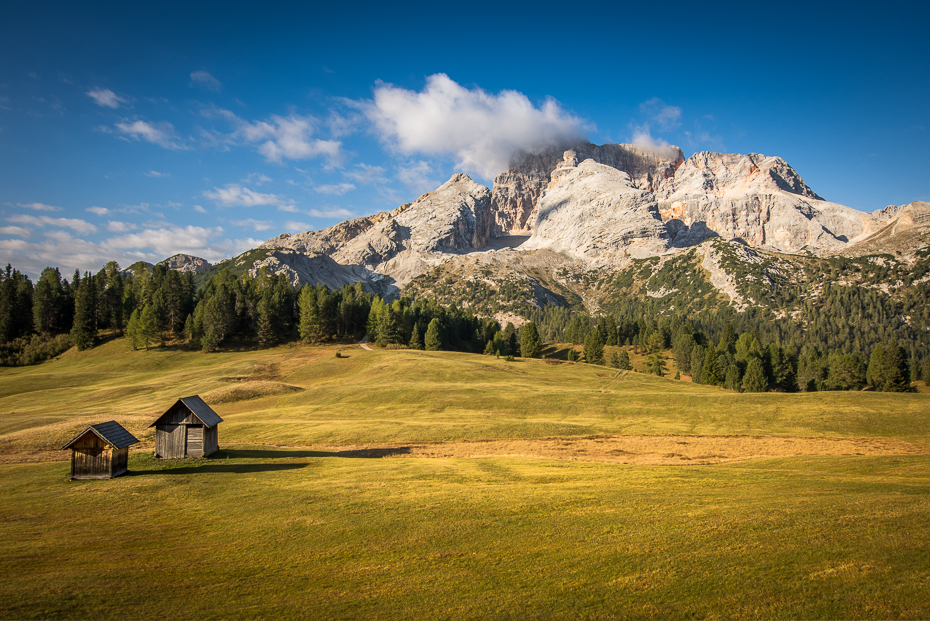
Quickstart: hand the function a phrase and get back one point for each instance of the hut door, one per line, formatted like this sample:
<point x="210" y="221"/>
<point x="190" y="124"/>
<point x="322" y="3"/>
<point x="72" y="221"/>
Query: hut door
<point x="171" y="441"/>
<point x="195" y="440"/>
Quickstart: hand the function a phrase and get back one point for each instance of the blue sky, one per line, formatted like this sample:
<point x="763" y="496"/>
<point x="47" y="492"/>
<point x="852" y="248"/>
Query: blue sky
<point x="137" y="130"/>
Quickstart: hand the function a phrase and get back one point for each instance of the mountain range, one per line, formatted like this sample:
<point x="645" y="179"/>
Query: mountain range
<point x="595" y="210"/>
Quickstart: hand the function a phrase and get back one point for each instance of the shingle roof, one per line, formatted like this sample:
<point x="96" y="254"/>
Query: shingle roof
<point x="200" y="409"/>
<point x="110" y="432"/>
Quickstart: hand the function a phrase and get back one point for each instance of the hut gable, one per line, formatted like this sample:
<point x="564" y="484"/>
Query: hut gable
<point x="100" y="452"/>
<point x="187" y="429"/>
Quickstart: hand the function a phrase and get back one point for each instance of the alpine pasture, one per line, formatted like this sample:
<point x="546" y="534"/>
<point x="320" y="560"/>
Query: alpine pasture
<point x="408" y="484"/>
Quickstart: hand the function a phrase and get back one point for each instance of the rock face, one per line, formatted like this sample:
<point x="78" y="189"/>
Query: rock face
<point x="517" y="192"/>
<point x="902" y="234"/>
<point x="186" y="263"/>
<point x="755" y="199"/>
<point x="405" y="242"/>
<point x="594" y="211"/>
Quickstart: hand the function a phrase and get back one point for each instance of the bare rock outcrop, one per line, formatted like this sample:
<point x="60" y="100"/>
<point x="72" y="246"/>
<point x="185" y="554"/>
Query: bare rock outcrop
<point x="756" y="199"/>
<point x="186" y="263"/>
<point x="594" y="211"/>
<point x="901" y="235"/>
<point x="517" y="192"/>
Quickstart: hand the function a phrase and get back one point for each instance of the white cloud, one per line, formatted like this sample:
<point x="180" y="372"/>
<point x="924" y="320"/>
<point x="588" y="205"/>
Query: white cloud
<point x="416" y="176"/>
<point x="235" y="195"/>
<point x="280" y="137"/>
<point x="249" y="223"/>
<point x="257" y="178"/>
<point x="297" y="227"/>
<point x="205" y="81"/>
<point x="665" y="116"/>
<point x="644" y="140"/>
<point x="332" y="212"/>
<point x="366" y="174"/>
<point x="478" y="129"/>
<point x="38" y="207"/>
<point x="80" y="226"/>
<point x="15" y="230"/>
<point x="120" y="227"/>
<point x="157" y="175"/>
<point x="100" y="211"/>
<point x="199" y="209"/>
<point x="334" y="188"/>
<point x="162" y="134"/>
<point x="105" y="97"/>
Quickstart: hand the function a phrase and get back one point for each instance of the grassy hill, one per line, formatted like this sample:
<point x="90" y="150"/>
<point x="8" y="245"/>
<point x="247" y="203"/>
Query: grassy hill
<point x="404" y="484"/>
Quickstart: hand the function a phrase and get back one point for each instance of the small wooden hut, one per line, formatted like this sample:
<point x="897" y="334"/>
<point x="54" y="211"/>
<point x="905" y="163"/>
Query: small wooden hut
<point x="187" y="429"/>
<point x="100" y="452"/>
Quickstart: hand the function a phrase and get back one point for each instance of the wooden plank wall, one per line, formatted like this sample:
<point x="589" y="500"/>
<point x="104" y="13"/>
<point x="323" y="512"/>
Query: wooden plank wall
<point x="121" y="461"/>
<point x="180" y="415"/>
<point x="91" y="458"/>
<point x="171" y="441"/>
<point x="210" y="440"/>
<point x="195" y="441"/>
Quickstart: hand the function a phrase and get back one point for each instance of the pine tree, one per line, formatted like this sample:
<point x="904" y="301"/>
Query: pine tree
<point x="416" y="342"/>
<point x="148" y="326"/>
<point x="657" y="364"/>
<point x="593" y="347"/>
<point x="530" y="347"/>
<point x="433" y="340"/>
<point x="309" y="327"/>
<point x="877" y="371"/>
<point x="754" y="380"/>
<point x="615" y="360"/>
<point x="133" y="333"/>
<point x="84" y="330"/>
<point x="623" y="360"/>
<point x="264" y="322"/>
<point x="897" y="374"/>
<point x="710" y="374"/>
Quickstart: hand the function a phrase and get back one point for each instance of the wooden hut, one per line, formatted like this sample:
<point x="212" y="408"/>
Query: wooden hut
<point x="187" y="429"/>
<point x="100" y="452"/>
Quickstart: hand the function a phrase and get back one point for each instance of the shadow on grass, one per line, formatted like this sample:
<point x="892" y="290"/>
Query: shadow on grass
<point x="230" y="460"/>
<point x="219" y="468"/>
<point x="366" y="453"/>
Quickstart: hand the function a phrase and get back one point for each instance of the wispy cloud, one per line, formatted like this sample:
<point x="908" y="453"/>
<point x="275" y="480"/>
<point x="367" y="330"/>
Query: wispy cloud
<point x="157" y="175"/>
<point x="15" y="230"/>
<point x="332" y="212"/>
<point x="106" y="98"/>
<point x="120" y="227"/>
<point x="80" y="226"/>
<point x="100" y="211"/>
<point x="38" y="206"/>
<point x="199" y="209"/>
<point x="366" y="174"/>
<point x="334" y="188"/>
<point x="205" y="81"/>
<point x="416" y="176"/>
<point x="666" y="117"/>
<point x="644" y="140"/>
<point x="297" y="227"/>
<point x="279" y="137"/>
<point x="478" y="129"/>
<point x="256" y="225"/>
<point x="235" y="195"/>
<point x="162" y="134"/>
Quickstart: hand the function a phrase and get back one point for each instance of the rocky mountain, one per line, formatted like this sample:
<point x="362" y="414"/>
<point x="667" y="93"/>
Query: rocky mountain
<point x="186" y="263"/>
<point x="593" y="210"/>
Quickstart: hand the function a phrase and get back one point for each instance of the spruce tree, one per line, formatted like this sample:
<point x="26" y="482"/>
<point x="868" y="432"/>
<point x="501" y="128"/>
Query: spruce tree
<point x="594" y="347"/>
<point x="84" y="329"/>
<point x="754" y="380"/>
<point x="623" y="360"/>
<point x="710" y="374"/>
<point x="309" y="327"/>
<point x="615" y="360"/>
<point x="433" y="340"/>
<point x="530" y="347"/>
<point x="416" y="342"/>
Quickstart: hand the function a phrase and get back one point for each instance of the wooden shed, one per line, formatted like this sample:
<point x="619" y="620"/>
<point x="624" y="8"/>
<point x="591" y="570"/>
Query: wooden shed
<point x="187" y="429"/>
<point x="100" y="452"/>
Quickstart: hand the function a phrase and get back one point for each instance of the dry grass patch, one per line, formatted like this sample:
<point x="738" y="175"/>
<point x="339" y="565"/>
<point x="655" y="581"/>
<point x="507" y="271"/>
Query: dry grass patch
<point x="249" y="390"/>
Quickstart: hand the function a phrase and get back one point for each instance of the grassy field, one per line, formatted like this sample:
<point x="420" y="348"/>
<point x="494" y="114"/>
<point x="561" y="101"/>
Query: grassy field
<point x="296" y="519"/>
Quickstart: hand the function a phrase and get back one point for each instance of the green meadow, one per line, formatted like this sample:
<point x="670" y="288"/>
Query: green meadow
<point x="311" y="509"/>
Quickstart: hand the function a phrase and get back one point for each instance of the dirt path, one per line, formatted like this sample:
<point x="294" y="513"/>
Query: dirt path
<point x="363" y="342"/>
